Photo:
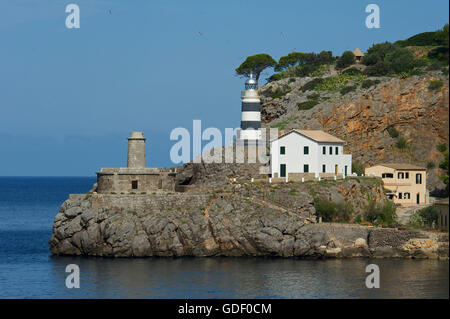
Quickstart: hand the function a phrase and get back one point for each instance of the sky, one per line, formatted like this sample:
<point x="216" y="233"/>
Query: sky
<point x="70" y="97"/>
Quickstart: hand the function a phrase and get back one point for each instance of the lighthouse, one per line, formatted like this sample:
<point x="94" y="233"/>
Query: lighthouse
<point x="250" y="132"/>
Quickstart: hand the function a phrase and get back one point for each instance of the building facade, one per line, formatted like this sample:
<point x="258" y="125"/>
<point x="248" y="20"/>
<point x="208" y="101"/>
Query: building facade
<point x="443" y="208"/>
<point x="406" y="182"/>
<point x="136" y="177"/>
<point x="309" y="153"/>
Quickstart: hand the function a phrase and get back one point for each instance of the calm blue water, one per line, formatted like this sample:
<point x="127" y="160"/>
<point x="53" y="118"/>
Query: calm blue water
<point x="27" y="270"/>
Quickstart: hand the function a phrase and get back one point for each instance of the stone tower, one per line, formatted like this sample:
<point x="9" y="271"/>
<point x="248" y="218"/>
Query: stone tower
<point x="136" y="150"/>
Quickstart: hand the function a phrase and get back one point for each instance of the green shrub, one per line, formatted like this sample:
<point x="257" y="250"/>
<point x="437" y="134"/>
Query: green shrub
<point x="378" y="69"/>
<point x="380" y="213"/>
<point x="357" y="219"/>
<point x="434" y="66"/>
<point x="416" y="221"/>
<point x="331" y="211"/>
<point x="307" y="105"/>
<point x="430" y="165"/>
<point x="368" y="83"/>
<point x="291" y="80"/>
<point x="393" y="132"/>
<point x="442" y="148"/>
<point x="314" y="96"/>
<point x="339" y="81"/>
<point x="311" y="85"/>
<point x="429" y="215"/>
<point x="400" y="60"/>
<point x="439" y="54"/>
<point x="352" y="71"/>
<point x="357" y="168"/>
<point x="401" y="143"/>
<point x="435" y="85"/>
<point x="421" y="39"/>
<point x="348" y="89"/>
<point x="278" y="92"/>
<point x="346" y="59"/>
<point x="305" y="70"/>
<point x="444" y="166"/>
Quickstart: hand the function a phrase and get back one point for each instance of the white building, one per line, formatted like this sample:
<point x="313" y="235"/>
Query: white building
<point x="309" y="153"/>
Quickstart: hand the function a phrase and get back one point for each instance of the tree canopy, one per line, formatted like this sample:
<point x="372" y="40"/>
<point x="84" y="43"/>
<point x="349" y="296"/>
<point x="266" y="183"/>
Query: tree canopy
<point x="346" y="59"/>
<point x="256" y="64"/>
<point x="290" y="60"/>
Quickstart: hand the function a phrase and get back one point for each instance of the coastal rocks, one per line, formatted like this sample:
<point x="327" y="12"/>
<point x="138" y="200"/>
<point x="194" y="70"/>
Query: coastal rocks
<point x="231" y="224"/>
<point x="360" y="242"/>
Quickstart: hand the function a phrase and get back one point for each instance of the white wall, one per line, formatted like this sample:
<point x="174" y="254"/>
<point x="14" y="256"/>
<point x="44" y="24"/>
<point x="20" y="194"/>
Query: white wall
<point x="295" y="158"/>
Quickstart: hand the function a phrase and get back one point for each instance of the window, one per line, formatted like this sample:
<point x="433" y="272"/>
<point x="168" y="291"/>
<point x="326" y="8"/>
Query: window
<point x="406" y="196"/>
<point x="331" y="150"/>
<point x="418" y="178"/>
<point x="324" y="168"/>
<point x="401" y="176"/>
<point x="282" y="170"/>
<point x="387" y="175"/>
<point x="306" y="150"/>
<point x="134" y="184"/>
<point x="406" y="175"/>
<point x="282" y="150"/>
<point x="399" y="195"/>
<point x="324" y="150"/>
<point x="306" y="168"/>
<point x="336" y="150"/>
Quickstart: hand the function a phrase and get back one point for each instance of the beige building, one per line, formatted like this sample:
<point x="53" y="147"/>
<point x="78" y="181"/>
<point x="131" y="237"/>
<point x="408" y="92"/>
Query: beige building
<point x="443" y="208"/>
<point x="358" y="55"/>
<point x="406" y="182"/>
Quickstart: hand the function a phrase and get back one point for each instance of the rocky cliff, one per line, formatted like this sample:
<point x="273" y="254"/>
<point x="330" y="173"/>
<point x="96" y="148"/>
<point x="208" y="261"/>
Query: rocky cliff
<point x="249" y="219"/>
<point x="363" y="117"/>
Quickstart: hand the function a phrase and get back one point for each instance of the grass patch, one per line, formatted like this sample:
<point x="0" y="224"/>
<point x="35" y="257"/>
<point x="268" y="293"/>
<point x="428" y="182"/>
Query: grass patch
<point x="348" y="89"/>
<point x="435" y="85"/>
<point x="311" y="85"/>
<point x="393" y="132"/>
<point x="307" y="105"/>
<point x="402" y="143"/>
<point x="368" y="83"/>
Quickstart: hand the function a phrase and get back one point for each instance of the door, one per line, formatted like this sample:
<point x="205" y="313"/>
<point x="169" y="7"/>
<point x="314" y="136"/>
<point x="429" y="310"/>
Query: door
<point x="418" y="198"/>
<point x="345" y="170"/>
<point x="282" y="170"/>
<point x="335" y="169"/>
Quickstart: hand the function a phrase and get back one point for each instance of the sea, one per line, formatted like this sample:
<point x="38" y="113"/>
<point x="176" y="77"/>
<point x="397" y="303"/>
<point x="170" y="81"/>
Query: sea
<point x="28" y="206"/>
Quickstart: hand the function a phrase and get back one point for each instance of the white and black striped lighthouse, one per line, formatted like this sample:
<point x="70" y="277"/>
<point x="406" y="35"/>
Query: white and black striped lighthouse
<point x="250" y="132"/>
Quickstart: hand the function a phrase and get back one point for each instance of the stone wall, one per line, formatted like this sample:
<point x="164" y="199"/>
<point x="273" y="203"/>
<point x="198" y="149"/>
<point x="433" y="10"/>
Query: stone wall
<point x="120" y="180"/>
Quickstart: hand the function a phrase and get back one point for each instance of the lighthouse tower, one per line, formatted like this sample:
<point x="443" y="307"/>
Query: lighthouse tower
<point x="250" y="132"/>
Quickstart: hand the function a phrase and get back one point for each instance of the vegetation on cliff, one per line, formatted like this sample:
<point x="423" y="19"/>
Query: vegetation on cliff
<point x="428" y="50"/>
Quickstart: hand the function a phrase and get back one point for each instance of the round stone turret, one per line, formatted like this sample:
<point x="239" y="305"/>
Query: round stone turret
<point x="136" y="150"/>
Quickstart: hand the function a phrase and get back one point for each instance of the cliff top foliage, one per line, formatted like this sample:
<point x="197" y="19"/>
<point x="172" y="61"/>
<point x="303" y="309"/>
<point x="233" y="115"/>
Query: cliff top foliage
<point x="383" y="59"/>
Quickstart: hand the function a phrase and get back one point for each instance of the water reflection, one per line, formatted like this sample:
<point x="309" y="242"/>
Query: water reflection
<point x="247" y="278"/>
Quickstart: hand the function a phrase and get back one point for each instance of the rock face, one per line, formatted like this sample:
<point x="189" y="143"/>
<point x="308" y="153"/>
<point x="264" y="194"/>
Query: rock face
<point x="239" y="220"/>
<point x="362" y="117"/>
